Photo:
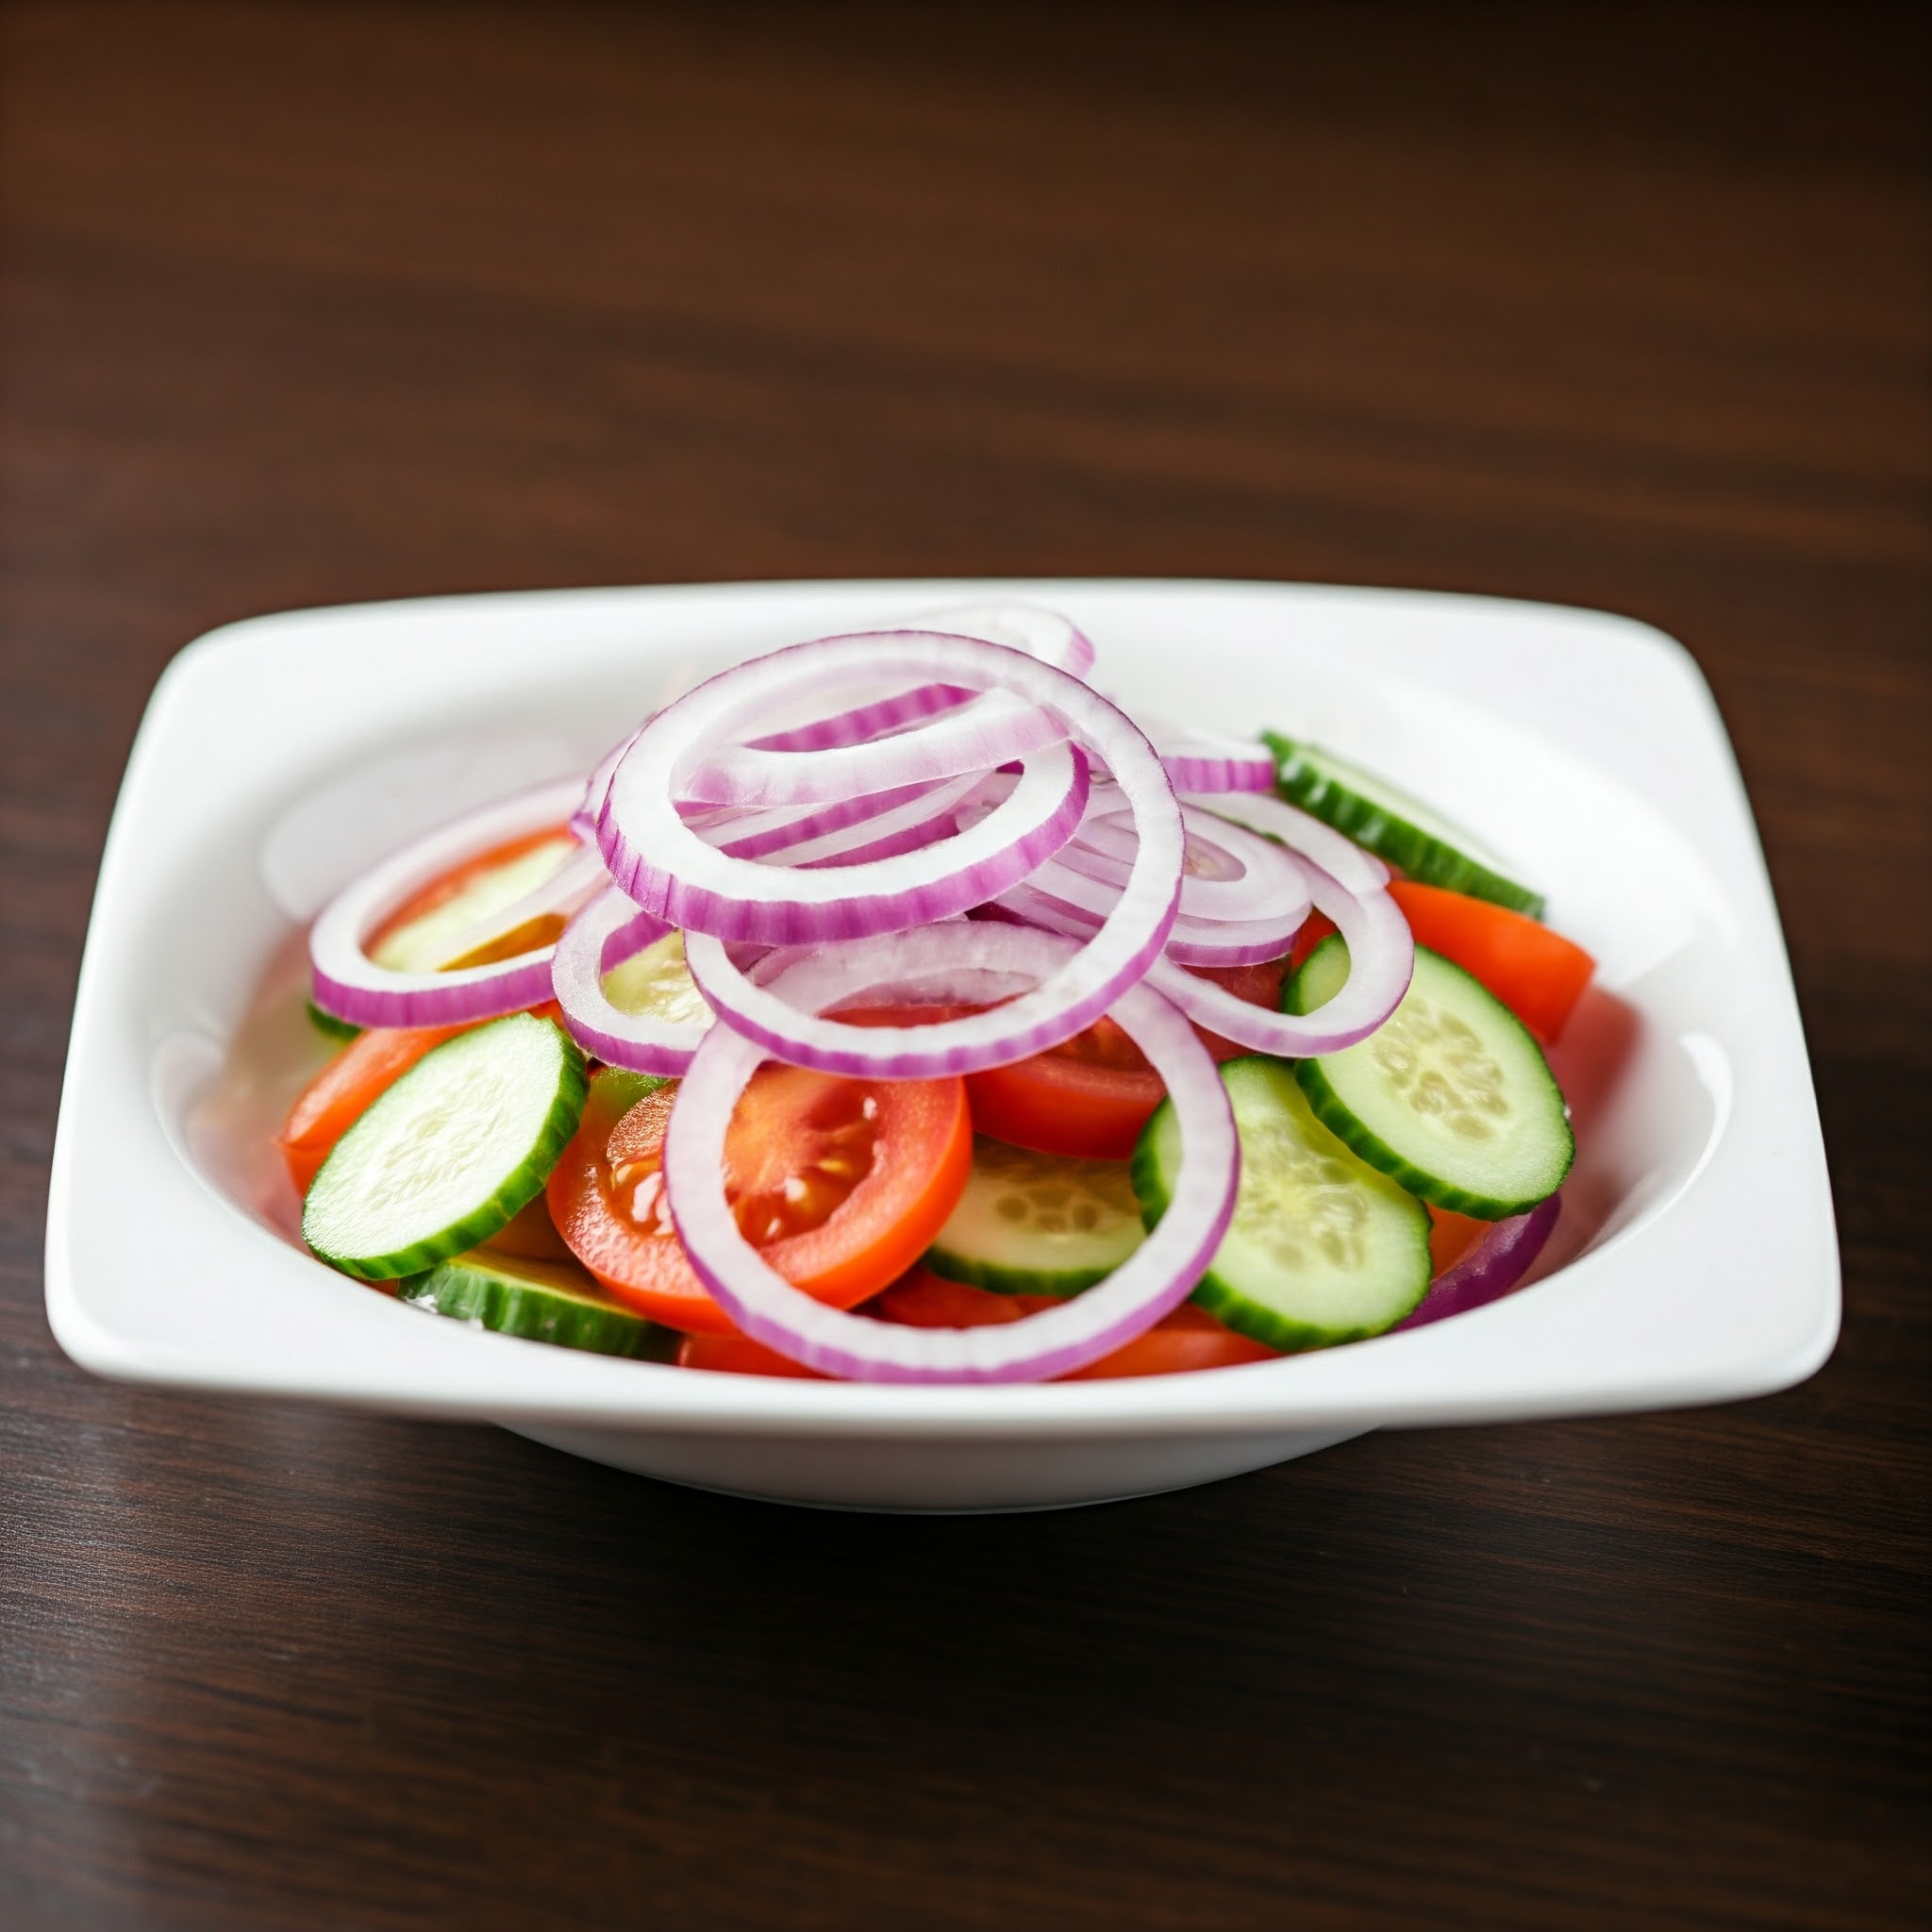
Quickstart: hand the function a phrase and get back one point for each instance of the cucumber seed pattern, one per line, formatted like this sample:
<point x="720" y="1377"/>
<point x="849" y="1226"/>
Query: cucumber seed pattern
<point x="1436" y="1062"/>
<point x="1065" y="1197"/>
<point x="1294" y="1198"/>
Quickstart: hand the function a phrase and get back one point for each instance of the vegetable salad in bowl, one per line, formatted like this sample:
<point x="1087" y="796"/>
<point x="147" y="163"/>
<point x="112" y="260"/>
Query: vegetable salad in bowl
<point x="895" y="1006"/>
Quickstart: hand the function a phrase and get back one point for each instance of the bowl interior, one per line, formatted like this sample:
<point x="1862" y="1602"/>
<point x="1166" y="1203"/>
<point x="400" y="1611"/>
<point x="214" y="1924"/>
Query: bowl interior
<point x="1646" y="1062"/>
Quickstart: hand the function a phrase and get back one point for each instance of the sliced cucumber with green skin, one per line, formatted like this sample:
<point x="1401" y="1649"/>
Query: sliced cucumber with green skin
<point x="450" y="1153"/>
<point x="1038" y="1223"/>
<point x="1450" y="1095"/>
<point x="1393" y="824"/>
<point x="340" y="1031"/>
<point x="1322" y="1247"/>
<point x="540" y="1301"/>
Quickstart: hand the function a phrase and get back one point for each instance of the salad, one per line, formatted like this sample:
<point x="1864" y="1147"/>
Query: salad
<point x="895" y="1006"/>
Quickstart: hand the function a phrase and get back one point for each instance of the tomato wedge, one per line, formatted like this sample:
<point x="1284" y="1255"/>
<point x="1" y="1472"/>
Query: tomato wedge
<point x="1188" y="1337"/>
<point x="1536" y="973"/>
<point x="338" y="1096"/>
<point x="841" y="1183"/>
<point x="1451" y="1237"/>
<point x="1092" y="1095"/>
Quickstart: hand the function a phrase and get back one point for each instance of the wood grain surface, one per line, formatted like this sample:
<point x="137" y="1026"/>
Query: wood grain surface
<point x="1625" y="308"/>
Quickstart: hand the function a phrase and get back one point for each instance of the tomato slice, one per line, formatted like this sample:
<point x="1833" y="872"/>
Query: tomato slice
<point x="1092" y="1095"/>
<point x="1188" y="1337"/>
<point x="841" y="1183"/>
<point x="365" y="1069"/>
<point x="1315" y="928"/>
<point x="739" y="1355"/>
<point x="1451" y="1237"/>
<point x="1536" y="973"/>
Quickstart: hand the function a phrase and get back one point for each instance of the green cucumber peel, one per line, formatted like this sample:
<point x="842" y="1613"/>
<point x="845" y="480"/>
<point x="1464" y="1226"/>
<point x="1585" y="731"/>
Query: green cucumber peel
<point x="1394" y="826"/>
<point x="1451" y="1097"/>
<point x="1036" y="1223"/>
<point x="449" y="1154"/>
<point x="1323" y="1248"/>
<point x="340" y="1031"/>
<point x="554" y="1301"/>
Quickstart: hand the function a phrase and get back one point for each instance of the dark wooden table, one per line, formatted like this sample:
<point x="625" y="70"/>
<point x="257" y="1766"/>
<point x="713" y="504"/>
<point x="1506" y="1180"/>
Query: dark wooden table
<point x="1629" y="309"/>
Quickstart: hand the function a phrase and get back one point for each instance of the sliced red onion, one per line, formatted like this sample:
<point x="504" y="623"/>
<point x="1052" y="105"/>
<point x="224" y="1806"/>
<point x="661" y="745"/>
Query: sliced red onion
<point x="669" y="869"/>
<point x="1198" y="760"/>
<point x="764" y="834"/>
<point x="1340" y="857"/>
<point x="1232" y="876"/>
<point x="908" y="827"/>
<point x="862" y="724"/>
<point x="1491" y="1269"/>
<point x="583" y="821"/>
<point x="1156" y="1278"/>
<point x="994" y="731"/>
<point x="1044" y="634"/>
<point x="1381" y="954"/>
<point x="1190" y="943"/>
<point x="687" y="883"/>
<point x="606" y="933"/>
<point x="352" y="986"/>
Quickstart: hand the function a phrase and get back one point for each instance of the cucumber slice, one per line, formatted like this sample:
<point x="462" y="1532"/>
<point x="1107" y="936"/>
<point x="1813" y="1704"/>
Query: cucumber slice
<point x="1450" y="1095"/>
<point x="1038" y="1223"/>
<point x="1393" y="825"/>
<point x="450" y="1153"/>
<point x="540" y="1301"/>
<point x="1322" y="1248"/>
<point x="340" y="1031"/>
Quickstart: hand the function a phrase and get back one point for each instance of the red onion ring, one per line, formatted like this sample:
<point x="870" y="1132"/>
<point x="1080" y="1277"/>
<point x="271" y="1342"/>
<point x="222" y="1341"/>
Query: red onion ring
<point x="583" y="821"/>
<point x="1189" y="942"/>
<point x="1340" y="857"/>
<point x="1152" y="1280"/>
<point x="1491" y="1269"/>
<point x="1116" y="957"/>
<point x="1044" y="634"/>
<point x="1230" y="876"/>
<point x="349" y="984"/>
<point x="687" y="883"/>
<point x="1381" y="953"/>
<point x="971" y="737"/>
<point x="669" y="869"/>
<point x="606" y="933"/>
<point x="1199" y="760"/>
<point x="765" y="833"/>
<point x="908" y="828"/>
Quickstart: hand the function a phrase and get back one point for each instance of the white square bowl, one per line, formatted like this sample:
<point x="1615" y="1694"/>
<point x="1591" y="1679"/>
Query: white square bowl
<point x="1696" y="1259"/>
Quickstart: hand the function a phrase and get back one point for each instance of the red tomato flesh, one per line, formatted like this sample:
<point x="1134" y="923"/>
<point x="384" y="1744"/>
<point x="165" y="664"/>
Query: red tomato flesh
<point x="842" y="1184"/>
<point x="1188" y="1337"/>
<point x="1536" y="973"/>
<point x="1092" y="1095"/>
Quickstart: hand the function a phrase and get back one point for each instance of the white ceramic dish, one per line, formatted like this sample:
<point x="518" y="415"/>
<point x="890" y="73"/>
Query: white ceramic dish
<point x="1696" y="1260"/>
